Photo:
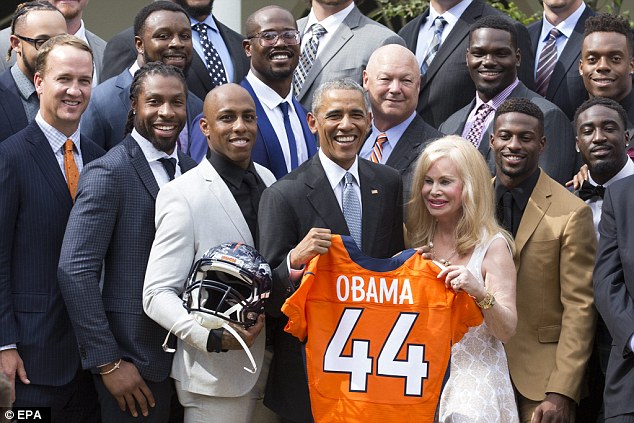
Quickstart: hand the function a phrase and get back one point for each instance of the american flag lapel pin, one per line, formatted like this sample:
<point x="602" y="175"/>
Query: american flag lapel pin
<point x="374" y="191"/>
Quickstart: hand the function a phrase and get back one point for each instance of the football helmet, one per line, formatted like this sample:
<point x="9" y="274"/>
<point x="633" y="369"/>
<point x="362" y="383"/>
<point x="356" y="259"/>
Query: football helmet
<point x="230" y="281"/>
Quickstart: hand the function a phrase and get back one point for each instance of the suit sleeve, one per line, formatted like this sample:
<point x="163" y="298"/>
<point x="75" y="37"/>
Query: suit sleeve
<point x="277" y="233"/>
<point x="576" y="258"/>
<point x="613" y="300"/>
<point x="88" y="234"/>
<point x="9" y="206"/>
<point x="171" y="258"/>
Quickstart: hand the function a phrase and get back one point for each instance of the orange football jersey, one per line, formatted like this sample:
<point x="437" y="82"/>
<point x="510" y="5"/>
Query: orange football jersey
<point x="379" y="334"/>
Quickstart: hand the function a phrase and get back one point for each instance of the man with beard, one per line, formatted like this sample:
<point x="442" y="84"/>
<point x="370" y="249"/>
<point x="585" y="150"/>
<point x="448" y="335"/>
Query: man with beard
<point x="111" y="229"/>
<point x="33" y="23"/>
<point x="162" y="33"/>
<point x="72" y="11"/>
<point x="493" y="60"/>
<point x="120" y="51"/>
<point x="284" y="140"/>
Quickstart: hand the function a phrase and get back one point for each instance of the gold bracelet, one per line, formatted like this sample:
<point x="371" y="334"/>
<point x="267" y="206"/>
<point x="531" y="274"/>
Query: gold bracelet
<point x="487" y="302"/>
<point x="115" y="367"/>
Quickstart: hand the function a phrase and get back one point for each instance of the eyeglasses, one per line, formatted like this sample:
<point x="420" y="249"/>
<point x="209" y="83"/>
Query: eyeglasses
<point x="35" y="42"/>
<point x="269" y="38"/>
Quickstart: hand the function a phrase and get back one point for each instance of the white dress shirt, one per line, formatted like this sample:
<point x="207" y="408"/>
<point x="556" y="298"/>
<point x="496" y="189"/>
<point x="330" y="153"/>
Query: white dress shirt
<point x="393" y="134"/>
<point x="330" y="24"/>
<point x="152" y="155"/>
<point x="270" y="101"/>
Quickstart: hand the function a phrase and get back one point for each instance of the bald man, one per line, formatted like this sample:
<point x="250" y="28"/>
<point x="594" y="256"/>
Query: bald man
<point x="212" y="385"/>
<point x="392" y="81"/>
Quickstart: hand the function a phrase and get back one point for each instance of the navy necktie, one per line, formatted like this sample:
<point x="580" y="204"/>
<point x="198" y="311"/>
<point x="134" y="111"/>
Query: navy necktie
<point x="292" y="142"/>
<point x="169" y="163"/>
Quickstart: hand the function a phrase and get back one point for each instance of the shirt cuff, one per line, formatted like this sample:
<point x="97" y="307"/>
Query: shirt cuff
<point x="294" y="275"/>
<point x="9" y="347"/>
<point x="631" y="343"/>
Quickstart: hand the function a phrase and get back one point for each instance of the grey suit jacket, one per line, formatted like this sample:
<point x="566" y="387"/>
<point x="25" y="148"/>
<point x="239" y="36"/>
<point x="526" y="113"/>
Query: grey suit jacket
<point x="559" y="159"/>
<point x="184" y="232"/>
<point x="614" y="293"/>
<point x="346" y="54"/>
<point x="111" y="228"/>
<point x="301" y="200"/>
<point x="447" y="86"/>
<point x="96" y="44"/>
<point x="565" y="88"/>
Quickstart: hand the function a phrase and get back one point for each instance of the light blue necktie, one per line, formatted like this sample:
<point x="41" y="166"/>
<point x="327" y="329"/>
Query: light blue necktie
<point x="352" y="208"/>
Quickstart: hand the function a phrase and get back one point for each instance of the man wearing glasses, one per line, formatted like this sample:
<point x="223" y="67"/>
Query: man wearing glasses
<point x="33" y="23"/>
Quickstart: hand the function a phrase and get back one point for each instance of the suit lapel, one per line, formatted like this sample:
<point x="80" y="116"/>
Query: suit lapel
<point x="199" y="69"/>
<point x="45" y="159"/>
<point x="322" y="198"/>
<point x="140" y="164"/>
<point x="123" y="82"/>
<point x="537" y="206"/>
<point x="406" y="148"/>
<point x="235" y="51"/>
<point x="372" y="204"/>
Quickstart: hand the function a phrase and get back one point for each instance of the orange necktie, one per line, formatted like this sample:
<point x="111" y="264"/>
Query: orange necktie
<point x="377" y="150"/>
<point x="72" y="173"/>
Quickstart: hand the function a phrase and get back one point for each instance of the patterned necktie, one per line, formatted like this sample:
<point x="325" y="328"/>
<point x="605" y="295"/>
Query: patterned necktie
<point x="475" y="133"/>
<point x="212" y="59"/>
<point x="292" y="142"/>
<point x="307" y="57"/>
<point x="352" y="208"/>
<point x="70" y="167"/>
<point x="169" y="163"/>
<point x="377" y="150"/>
<point x="547" y="61"/>
<point x="439" y="25"/>
<point x="589" y="191"/>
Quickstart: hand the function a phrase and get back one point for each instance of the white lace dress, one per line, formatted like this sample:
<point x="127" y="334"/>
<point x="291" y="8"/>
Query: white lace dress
<point x="479" y="387"/>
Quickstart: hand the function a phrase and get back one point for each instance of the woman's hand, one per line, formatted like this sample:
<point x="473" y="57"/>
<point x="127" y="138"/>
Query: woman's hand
<point x="459" y="278"/>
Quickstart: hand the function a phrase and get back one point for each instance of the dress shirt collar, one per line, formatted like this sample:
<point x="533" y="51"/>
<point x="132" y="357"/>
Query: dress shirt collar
<point x="209" y="20"/>
<point x="521" y="193"/>
<point x="135" y="67"/>
<point x="229" y="171"/>
<point x="331" y="23"/>
<point x="149" y="151"/>
<point x="497" y="101"/>
<point x="395" y="133"/>
<point x="81" y="32"/>
<point x="452" y="15"/>
<point x="267" y="95"/>
<point x="24" y="84"/>
<point x="335" y="173"/>
<point x="626" y="170"/>
<point x="55" y="138"/>
<point x="566" y="27"/>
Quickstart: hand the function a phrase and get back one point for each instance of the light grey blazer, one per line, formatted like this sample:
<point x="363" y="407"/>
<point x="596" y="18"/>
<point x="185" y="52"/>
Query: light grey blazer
<point x="346" y="54"/>
<point x="194" y="213"/>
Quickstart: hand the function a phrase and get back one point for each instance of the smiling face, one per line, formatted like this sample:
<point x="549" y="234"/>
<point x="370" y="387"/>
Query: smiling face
<point x="277" y="62"/>
<point x="602" y="139"/>
<point x="160" y="111"/>
<point x="517" y="142"/>
<point x="166" y="37"/>
<point x="492" y="61"/>
<point x="341" y="122"/>
<point x="230" y="123"/>
<point x="606" y="65"/>
<point x="442" y="190"/>
<point x="64" y="87"/>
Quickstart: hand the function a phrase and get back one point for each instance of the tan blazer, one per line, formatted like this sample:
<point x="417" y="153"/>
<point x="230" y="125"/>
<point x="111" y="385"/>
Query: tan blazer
<point x="555" y="249"/>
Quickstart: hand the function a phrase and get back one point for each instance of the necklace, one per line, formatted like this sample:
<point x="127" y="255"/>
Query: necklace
<point x="443" y="261"/>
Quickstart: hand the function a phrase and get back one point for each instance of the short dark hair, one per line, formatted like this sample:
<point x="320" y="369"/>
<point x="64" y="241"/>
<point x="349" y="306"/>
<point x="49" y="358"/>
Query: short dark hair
<point x="24" y="9"/>
<point x="605" y="22"/>
<point x="150" y="69"/>
<point x="496" y="22"/>
<point x="602" y="101"/>
<point x="521" y="105"/>
<point x="141" y="17"/>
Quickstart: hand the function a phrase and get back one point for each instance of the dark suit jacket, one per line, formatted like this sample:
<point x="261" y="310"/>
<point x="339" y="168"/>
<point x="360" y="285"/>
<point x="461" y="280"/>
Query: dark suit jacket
<point x="289" y="208"/>
<point x="559" y="159"/>
<point x="107" y="113"/>
<point x="267" y="150"/>
<point x="447" y="86"/>
<point x="112" y="223"/>
<point x="565" y="88"/>
<point x="12" y="115"/>
<point x="613" y="282"/>
<point x="34" y="209"/>
<point x="413" y="141"/>
<point x="119" y="55"/>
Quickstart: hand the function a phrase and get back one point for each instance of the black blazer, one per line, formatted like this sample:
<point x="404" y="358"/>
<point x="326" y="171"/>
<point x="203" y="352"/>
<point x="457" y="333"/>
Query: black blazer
<point x="289" y="208"/>
<point x="447" y="86"/>
<point x="112" y="224"/>
<point x="565" y="88"/>
<point x="34" y="208"/>
<point x="12" y="115"/>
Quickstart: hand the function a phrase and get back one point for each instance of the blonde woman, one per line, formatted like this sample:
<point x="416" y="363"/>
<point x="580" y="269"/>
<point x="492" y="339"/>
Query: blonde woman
<point x="451" y="210"/>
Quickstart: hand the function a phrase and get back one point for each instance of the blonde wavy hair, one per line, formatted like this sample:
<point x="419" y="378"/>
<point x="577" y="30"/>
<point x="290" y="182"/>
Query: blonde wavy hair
<point x="477" y="222"/>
